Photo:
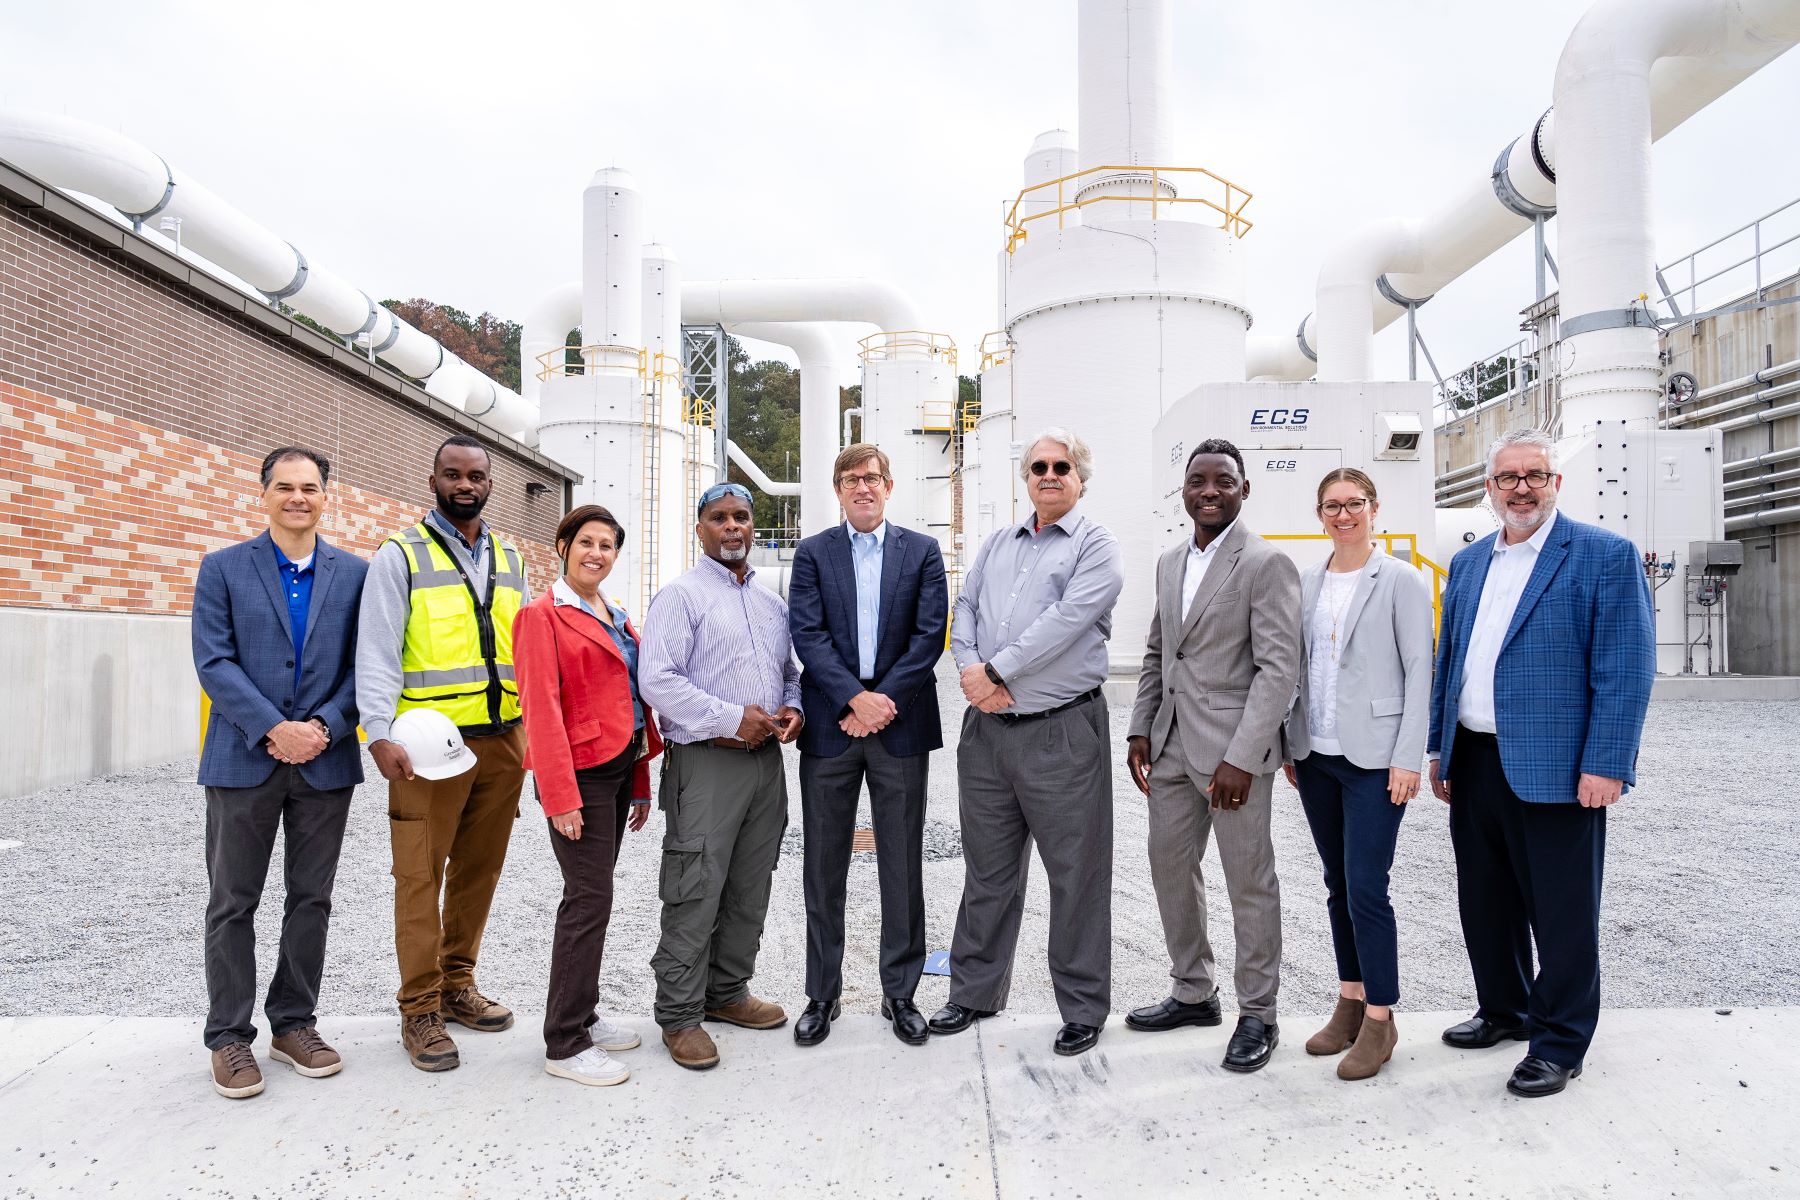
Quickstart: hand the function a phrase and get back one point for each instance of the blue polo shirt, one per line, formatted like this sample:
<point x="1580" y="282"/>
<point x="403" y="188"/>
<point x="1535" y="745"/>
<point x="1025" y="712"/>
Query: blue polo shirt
<point x="296" y="586"/>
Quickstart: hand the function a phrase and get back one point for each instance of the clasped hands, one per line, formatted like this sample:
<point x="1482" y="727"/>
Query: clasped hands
<point x="982" y="692"/>
<point x="757" y="726"/>
<point x="296" y="742"/>
<point x="870" y="712"/>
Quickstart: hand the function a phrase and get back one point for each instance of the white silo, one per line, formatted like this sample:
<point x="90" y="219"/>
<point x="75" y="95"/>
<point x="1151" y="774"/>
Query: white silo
<point x="663" y="477"/>
<point x="909" y="405"/>
<point x="1126" y="299"/>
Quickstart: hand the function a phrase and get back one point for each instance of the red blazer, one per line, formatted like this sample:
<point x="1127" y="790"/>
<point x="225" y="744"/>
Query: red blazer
<point x="575" y="697"/>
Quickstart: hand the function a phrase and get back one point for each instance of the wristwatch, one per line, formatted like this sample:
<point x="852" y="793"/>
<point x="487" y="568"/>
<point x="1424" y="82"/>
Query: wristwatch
<point x="323" y="727"/>
<point x="993" y="675"/>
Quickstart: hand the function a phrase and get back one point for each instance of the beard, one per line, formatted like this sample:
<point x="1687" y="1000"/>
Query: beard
<point x="732" y="556"/>
<point x="1526" y="522"/>
<point x="459" y="509"/>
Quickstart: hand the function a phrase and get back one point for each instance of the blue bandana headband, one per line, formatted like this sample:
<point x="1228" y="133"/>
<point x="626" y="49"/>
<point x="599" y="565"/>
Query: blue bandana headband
<point x="720" y="490"/>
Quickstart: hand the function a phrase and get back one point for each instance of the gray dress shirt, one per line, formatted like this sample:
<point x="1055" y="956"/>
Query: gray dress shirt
<point x="1037" y="607"/>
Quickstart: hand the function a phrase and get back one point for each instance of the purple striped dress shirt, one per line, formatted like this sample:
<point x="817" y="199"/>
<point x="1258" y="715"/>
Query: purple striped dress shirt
<point x="713" y="646"/>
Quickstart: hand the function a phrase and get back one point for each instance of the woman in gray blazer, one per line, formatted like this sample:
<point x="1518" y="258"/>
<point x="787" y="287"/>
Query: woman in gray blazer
<point x="1356" y="737"/>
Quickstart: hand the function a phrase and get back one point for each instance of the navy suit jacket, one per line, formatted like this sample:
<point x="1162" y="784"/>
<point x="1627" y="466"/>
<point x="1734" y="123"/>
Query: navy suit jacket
<point x="1572" y="684"/>
<point x="244" y="655"/>
<point x="915" y="610"/>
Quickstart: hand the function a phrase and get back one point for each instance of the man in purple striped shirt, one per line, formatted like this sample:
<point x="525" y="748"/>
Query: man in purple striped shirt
<point x="719" y="670"/>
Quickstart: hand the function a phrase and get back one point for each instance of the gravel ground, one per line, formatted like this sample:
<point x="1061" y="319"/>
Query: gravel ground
<point x="101" y="904"/>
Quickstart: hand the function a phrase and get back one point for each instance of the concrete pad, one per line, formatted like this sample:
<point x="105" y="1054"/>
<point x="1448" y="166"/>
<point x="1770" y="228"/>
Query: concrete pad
<point x="1726" y="687"/>
<point x="1673" y="1103"/>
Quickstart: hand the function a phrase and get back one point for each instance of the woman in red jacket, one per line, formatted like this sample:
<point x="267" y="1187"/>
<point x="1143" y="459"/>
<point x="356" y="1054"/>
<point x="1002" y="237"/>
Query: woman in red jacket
<point x="589" y="741"/>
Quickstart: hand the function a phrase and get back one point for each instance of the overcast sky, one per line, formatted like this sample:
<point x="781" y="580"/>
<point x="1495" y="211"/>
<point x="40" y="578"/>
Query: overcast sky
<point x="440" y="150"/>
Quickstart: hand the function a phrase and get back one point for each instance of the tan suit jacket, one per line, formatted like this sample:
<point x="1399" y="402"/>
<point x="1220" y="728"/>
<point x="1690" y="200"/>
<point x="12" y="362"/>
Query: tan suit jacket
<point x="1223" y="673"/>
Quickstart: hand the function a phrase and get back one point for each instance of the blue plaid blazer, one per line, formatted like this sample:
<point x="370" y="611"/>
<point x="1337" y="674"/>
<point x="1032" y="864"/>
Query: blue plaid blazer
<point x="1572" y="683"/>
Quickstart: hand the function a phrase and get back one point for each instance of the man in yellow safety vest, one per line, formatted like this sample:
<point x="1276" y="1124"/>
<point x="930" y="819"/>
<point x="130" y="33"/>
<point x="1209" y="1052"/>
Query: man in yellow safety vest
<point x="436" y="632"/>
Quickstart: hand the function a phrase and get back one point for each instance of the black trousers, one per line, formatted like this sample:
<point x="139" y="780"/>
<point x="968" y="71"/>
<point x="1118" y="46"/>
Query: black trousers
<point x="586" y="909"/>
<point x="1523" y="872"/>
<point x="829" y="789"/>
<point x="241" y="825"/>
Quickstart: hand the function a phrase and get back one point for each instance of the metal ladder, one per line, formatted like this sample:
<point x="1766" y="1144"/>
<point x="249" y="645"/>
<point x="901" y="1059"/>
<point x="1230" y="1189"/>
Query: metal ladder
<point x="650" y="493"/>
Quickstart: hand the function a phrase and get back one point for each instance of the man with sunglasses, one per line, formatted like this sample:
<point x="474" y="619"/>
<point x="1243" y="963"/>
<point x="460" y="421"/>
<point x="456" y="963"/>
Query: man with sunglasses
<point x="1546" y="653"/>
<point x="1029" y="635"/>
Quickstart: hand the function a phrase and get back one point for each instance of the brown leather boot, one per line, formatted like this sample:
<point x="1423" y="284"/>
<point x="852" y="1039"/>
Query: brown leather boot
<point x="466" y="1006"/>
<point x="428" y="1043"/>
<point x="1374" y="1046"/>
<point x="691" y="1048"/>
<point x="235" y="1074"/>
<point x="750" y="1013"/>
<point x="1340" y="1031"/>
<point x="306" y="1052"/>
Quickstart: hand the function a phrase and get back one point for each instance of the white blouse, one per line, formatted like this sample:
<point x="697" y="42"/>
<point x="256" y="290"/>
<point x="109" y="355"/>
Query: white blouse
<point x="1329" y="614"/>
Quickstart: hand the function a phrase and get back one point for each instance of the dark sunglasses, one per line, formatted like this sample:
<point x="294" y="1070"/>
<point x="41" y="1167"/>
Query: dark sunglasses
<point x="1040" y="467"/>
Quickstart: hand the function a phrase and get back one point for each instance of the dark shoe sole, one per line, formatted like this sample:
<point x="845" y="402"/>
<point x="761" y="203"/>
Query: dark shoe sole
<point x="887" y="1014"/>
<point x="448" y="1062"/>
<point x="1511" y="1035"/>
<point x="1259" y="1064"/>
<point x="1071" y="1052"/>
<point x="489" y="1026"/>
<point x="694" y="1066"/>
<point x="837" y="1010"/>
<point x="1199" y="1021"/>
<point x="933" y="1028"/>
<point x="1540" y="1093"/>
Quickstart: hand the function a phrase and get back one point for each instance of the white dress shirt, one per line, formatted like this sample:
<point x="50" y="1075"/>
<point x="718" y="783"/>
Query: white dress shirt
<point x="1198" y="562"/>
<point x="1508" y="572"/>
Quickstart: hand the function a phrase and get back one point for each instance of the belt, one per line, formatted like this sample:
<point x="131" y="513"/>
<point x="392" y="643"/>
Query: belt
<point x="1015" y="718"/>
<point x="725" y="743"/>
<point x="1463" y="731"/>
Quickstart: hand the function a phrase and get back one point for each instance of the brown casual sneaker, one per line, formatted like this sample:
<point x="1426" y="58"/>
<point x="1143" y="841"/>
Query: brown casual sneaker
<point x="428" y="1043"/>
<point x="306" y="1052"/>
<point x="1374" y="1046"/>
<point x="466" y="1006"/>
<point x="1340" y="1031"/>
<point x="750" y="1013"/>
<point x="235" y="1074"/>
<point x="691" y="1048"/>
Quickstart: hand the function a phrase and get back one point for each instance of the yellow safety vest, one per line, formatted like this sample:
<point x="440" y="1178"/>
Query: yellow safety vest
<point x="457" y="657"/>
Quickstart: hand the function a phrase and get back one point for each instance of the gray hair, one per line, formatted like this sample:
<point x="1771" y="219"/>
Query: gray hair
<point x="1077" y="450"/>
<point x="1523" y="437"/>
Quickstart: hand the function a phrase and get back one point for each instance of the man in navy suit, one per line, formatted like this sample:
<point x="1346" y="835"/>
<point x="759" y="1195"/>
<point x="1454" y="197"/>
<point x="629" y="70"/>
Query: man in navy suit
<point x="1546" y="654"/>
<point x="274" y="642"/>
<point x="867" y="606"/>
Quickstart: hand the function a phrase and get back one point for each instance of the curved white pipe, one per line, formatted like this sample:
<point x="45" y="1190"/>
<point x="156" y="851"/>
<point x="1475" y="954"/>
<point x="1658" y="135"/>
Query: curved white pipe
<point x="1346" y="306"/>
<point x="1608" y="349"/>
<point x="1474" y="222"/>
<point x="763" y="482"/>
<point x="547" y="326"/>
<point x="722" y="301"/>
<point x="81" y="157"/>
<point x="819" y="355"/>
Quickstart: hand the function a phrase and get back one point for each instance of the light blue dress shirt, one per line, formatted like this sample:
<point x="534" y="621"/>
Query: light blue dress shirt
<point x="866" y="550"/>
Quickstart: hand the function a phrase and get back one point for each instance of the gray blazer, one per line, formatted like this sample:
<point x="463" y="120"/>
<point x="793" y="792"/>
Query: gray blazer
<point x="1384" y="667"/>
<point x="1224" y="671"/>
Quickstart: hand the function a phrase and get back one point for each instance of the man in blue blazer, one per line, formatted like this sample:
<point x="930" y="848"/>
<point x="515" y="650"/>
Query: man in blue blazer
<point x="274" y="630"/>
<point x="867" y="606"/>
<point x="1546" y="652"/>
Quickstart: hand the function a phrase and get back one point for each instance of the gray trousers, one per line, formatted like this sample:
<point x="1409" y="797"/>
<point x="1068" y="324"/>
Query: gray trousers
<point x="1181" y="817"/>
<point x="726" y="811"/>
<point x="241" y="825"/>
<point x="1047" y="780"/>
<point x="829" y="790"/>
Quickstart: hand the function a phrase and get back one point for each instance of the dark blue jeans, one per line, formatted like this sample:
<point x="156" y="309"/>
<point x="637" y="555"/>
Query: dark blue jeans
<point x="1355" y="827"/>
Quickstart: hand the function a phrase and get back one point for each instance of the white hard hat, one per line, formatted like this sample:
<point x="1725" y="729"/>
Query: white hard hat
<point x="433" y="743"/>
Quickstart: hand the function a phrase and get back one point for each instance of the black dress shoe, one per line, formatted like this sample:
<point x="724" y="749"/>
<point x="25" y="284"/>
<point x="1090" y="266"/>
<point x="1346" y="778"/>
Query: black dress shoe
<point x="814" y="1025"/>
<point x="954" y="1018"/>
<point x="1251" y="1044"/>
<point x="1173" y="1014"/>
<point x="1478" y="1033"/>
<point x="909" y="1022"/>
<point x="1535" y="1077"/>
<point x="1074" y="1038"/>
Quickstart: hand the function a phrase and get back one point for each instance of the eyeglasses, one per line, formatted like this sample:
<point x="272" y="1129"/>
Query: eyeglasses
<point x="1507" y="481"/>
<point x="1061" y="467"/>
<point x="1332" y="508"/>
<point x="852" y="482"/>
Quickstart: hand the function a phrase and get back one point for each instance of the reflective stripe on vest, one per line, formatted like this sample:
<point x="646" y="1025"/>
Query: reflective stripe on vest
<point x="442" y="661"/>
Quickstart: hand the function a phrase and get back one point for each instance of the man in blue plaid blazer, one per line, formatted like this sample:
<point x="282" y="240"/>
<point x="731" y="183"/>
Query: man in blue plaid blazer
<point x="1546" y="653"/>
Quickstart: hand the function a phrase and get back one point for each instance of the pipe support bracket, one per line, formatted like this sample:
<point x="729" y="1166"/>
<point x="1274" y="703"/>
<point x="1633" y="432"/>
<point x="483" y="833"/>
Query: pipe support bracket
<point x="1509" y="196"/>
<point x="168" y="195"/>
<point x="1310" y="354"/>
<point x="299" y="279"/>
<point x="1606" y="318"/>
<point x="1394" y="296"/>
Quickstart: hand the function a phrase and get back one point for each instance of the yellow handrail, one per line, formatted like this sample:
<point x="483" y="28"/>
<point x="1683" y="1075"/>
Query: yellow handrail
<point x="1437" y="574"/>
<point x="1230" y="208"/>
<point x="555" y="364"/>
<point x="996" y="349"/>
<point x="892" y="344"/>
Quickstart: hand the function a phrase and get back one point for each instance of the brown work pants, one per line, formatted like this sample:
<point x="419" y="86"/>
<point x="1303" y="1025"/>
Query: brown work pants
<point x="450" y="838"/>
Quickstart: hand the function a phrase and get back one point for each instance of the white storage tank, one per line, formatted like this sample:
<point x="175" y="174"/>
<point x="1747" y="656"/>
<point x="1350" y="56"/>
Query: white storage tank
<point x="909" y="405"/>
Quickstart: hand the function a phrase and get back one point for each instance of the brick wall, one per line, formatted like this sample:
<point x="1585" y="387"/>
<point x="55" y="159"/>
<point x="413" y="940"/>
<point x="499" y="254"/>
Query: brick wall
<point x="135" y="411"/>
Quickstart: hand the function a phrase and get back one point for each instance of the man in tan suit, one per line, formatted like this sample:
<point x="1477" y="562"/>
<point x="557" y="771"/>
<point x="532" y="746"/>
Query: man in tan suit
<point x="1205" y="741"/>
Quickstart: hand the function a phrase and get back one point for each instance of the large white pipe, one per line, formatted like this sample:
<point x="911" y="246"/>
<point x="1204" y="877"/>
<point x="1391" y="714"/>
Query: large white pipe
<point x="662" y="306"/>
<point x="1495" y="205"/>
<point x="546" y="328"/>
<point x="1608" y="347"/>
<point x="1346" y="306"/>
<point x="757" y="476"/>
<point x="1126" y="49"/>
<point x="723" y="301"/>
<point x="612" y="267"/>
<point x="819" y="355"/>
<point x="112" y="168"/>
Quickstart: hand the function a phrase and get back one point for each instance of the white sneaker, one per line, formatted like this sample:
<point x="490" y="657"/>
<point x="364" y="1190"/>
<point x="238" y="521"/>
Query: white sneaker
<point x="591" y="1066"/>
<point x="608" y="1036"/>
